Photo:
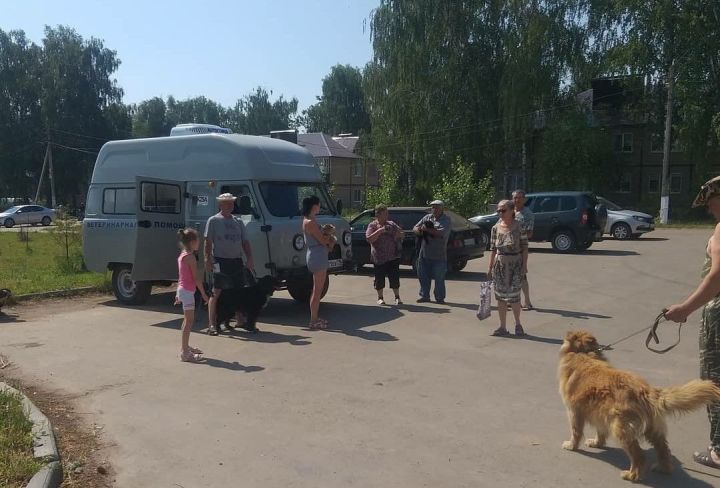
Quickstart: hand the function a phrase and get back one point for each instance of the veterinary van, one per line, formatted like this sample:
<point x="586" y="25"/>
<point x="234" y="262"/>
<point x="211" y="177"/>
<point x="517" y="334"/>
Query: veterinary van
<point x="143" y="190"/>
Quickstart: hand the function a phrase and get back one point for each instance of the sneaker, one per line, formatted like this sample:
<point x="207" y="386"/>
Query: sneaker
<point x="423" y="300"/>
<point x="381" y="301"/>
<point x="212" y="330"/>
<point x="440" y="301"/>
<point x="398" y="301"/>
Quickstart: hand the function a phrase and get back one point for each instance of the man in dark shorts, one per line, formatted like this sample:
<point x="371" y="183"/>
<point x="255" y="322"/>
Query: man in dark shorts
<point x="225" y="244"/>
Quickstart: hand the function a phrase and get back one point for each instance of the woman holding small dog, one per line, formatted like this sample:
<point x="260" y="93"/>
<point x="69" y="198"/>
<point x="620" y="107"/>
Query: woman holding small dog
<point x="385" y="237"/>
<point x="318" y="245"/>
<point x="508" y="265"/>
<point x="707" y="295"/>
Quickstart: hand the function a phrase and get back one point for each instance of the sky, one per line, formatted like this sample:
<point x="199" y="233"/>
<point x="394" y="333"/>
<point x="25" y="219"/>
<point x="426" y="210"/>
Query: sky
<point x="221" y="49"/>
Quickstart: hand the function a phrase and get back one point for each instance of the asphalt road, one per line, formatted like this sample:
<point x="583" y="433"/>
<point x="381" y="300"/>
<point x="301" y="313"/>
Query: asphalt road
<point x="418" y="395"/>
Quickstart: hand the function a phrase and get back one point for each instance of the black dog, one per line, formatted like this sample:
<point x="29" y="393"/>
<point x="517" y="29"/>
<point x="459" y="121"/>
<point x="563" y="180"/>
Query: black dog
<point x="424" y="236"/>
<point x="250" y="300"/>
<point x="5" y="295"/>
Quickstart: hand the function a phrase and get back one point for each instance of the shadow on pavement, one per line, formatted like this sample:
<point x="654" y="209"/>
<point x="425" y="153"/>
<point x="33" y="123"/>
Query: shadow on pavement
<point x="590" y="252"/>
<point x="158" y="302"/>
<point x="570" y="313"/>
<point x="232" y="366"/>
<point x="649" y="239"/>
<point x="545" y="340"/>
<point x="6" y="318"/>
<point x="679" y="477"/>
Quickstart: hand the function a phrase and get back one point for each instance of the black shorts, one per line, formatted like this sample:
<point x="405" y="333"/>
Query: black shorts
<point x="391" y="269"/>
<point x="231" y="275"/>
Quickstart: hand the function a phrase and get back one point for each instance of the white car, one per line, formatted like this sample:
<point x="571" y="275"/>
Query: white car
<point x="27" y="215"/>
<point x="626" y="224"/>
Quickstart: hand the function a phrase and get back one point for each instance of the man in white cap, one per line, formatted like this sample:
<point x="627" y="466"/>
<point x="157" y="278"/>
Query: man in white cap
<point x="434" y="229"/>
<point x="225" y="244"/>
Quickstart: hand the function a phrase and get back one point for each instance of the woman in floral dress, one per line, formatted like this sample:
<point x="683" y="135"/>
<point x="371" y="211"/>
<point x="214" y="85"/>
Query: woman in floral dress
<point x="508" y="265"/>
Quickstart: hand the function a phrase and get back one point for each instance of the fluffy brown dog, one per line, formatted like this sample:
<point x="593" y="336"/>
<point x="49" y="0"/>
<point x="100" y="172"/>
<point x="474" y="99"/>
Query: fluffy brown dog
<point x="621" y="403"/>
<point x="328" y="230"/>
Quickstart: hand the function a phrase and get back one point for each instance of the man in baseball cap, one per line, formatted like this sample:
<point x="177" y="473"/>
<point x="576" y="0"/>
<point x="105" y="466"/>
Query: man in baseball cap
<point x="433" y="231"/>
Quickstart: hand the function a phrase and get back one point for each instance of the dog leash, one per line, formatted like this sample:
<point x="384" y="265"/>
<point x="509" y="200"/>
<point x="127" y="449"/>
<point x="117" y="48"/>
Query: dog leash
<point x="652" y="335"/>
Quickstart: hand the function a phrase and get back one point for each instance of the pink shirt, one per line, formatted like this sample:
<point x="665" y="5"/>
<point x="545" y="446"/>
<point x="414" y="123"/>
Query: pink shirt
<point x="185" y="277"/>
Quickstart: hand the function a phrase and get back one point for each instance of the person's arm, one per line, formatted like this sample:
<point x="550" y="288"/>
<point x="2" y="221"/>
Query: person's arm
<point x="247" y="249"/>
<point x="310" y="227"/>
<point x="493" y="252"/>
<point x="707" y="290"/>
<point x="441" y="230"/>
<point x="208" y="247"/>
<point x="192" y="263"/>
<point x="420" y="226"/>
<point x="524" y="250"/>
<point x="373" y="232"/>
<point x="530" y="225"/>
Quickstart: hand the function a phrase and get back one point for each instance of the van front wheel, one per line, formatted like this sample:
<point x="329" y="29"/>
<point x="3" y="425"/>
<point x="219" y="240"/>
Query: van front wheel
<point x="301" y="288"/>
<point x="128" y="291"/>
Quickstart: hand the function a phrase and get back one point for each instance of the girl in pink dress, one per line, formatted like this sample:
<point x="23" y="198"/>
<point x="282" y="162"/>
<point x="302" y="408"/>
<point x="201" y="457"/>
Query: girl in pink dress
<point x="189" y="280"/>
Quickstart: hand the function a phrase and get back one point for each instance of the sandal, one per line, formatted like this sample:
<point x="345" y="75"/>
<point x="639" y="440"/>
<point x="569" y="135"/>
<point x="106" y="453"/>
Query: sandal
<point x="190" y="357"/>
<point x="529" y="307"/>
<point x="212" y="330"/>
<point x="705" y="459"/>
<point x="315" y="325"/>
<point x="519" y="330"/>
<point x="195" y="350"/>
<point x="500" y="332"/>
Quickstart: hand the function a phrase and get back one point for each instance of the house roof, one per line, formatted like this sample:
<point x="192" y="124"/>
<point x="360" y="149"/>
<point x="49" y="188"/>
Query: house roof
<point x="323" y="146"/>
<point x="348" y="142"/>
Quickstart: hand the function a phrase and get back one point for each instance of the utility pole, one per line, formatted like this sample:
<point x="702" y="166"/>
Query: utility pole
<point x="52" y="175"/>
<point x="42" y="173"/>
<point x="665" y="194"/>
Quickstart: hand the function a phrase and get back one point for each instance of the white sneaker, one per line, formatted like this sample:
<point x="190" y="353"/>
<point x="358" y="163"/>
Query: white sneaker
<point x="398" y="301"/>
<point x="381" y="301"/>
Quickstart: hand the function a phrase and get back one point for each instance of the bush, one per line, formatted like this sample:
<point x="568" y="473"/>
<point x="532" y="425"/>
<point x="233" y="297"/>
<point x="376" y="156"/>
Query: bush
<point x="462" y="193"/>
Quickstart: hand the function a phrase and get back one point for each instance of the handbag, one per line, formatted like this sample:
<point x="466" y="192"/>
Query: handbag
<point x="483" y="311"/>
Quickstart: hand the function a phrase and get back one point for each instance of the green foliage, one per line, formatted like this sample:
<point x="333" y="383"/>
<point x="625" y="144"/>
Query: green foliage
<point x="574" y="156"/>
<point x="67" y="234"/>
<point x="17" y="464"/>
<point x="388" y="192"/>
<point x="462" y="192"/>
<point x="341" y="108"/>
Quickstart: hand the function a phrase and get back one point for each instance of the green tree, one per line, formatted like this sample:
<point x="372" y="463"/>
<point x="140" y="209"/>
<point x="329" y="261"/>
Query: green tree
<point x="256" y="114"/>
<point x="462" y="192"/>
<point x="574" y="155"/>
<point x="341" y="108"/>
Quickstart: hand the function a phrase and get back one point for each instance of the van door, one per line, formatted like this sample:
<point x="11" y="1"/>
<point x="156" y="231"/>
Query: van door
<point x="160" y="214"/>
<point x="545" y="208"/>
<point x="254" y="224"/>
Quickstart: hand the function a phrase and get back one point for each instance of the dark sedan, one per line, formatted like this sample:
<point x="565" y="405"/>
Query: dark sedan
<point x="465" y="241"/>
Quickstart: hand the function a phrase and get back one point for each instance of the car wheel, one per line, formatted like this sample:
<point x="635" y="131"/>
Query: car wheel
<point x="485" y="239"/>
<point x="563" y="241"/>
<point x="458" y="265"/>
<point x="301" y="288"/>
<point x="9" y="223"/>
<point x="46" y="221"/>
<point x="621" y="231"/>
<point x="584" y="246"/>
<point x="127" y="290"/>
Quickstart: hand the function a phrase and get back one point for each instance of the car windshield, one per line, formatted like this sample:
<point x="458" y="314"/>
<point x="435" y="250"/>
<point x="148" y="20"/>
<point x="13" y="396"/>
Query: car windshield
<point x="284" y="199"/>
<point x="459" y="222"/>
<point x="11" y="210"/>
<point x="608" y="204"/>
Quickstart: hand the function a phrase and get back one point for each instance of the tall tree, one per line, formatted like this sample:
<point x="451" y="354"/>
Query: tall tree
<point x="341" y="108"/>
<point x="256" y="114"/>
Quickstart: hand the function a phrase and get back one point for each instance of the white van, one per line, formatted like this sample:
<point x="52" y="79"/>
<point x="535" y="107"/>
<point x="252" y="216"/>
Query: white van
<point x="143" y="190"/>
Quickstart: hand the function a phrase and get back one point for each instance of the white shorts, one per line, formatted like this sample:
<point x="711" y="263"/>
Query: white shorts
<point x="187" y="298"/>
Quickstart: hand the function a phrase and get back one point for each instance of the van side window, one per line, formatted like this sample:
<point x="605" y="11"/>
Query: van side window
<point x="160" y="198"/>
<point x="546" y="204"/>
<point x="118" y="201"/>
<point x="568" y="203"/>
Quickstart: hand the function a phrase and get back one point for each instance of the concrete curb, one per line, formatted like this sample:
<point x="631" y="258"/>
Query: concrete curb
<point x="44" y="446"/>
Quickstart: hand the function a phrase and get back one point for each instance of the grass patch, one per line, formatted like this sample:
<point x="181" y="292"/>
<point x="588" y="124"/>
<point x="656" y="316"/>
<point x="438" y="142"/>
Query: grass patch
<point x="40" y="264"/>
<point x="17" y="464"/>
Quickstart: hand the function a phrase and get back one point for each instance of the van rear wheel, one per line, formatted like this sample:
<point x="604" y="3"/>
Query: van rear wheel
<point x="127" y="290"/>
<point x="301" y="288"/>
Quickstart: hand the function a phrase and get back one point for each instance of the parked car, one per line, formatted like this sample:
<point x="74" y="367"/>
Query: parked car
<point x="465" y="242"/>
<point x="27" y="215"/>
<point x="626" y="224"/>
<point x="570" y="221"/>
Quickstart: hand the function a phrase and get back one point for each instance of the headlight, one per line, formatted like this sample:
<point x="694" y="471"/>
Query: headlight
<point x="347" y="238"/>
<point x="640" y="219"/>
<point x="298" y="242"/>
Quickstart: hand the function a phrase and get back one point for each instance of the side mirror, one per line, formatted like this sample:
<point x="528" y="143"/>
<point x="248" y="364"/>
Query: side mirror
<point x="339" y="206"/>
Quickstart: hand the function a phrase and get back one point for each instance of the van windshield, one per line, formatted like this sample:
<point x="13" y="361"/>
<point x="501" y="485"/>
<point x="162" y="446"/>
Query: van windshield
<point x="284" y="199"/>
